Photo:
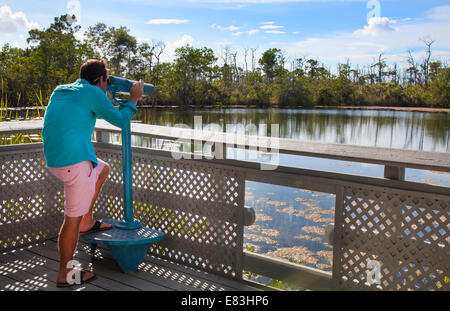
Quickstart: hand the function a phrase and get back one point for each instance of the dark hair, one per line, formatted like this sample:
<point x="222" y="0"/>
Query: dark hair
<point x="93" y="69"/>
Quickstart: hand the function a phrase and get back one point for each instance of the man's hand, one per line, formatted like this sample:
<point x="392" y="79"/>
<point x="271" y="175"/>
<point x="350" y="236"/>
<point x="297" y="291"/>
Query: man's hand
<point x="136" y="91"/>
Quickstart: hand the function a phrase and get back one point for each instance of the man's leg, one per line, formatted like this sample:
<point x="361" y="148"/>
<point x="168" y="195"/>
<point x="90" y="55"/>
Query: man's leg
<point x="88" y="220"/>
<point x="67" y="243"/>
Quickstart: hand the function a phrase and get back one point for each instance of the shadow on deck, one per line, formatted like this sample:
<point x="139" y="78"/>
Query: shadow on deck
<point x="35" y="267"/>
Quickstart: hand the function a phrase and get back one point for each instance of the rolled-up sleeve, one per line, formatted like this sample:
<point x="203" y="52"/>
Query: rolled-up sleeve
<point x="105" y="109"/>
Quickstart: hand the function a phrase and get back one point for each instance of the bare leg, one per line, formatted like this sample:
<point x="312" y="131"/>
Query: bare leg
<point x="67" y="243"/>
<point x="88" y="221"/>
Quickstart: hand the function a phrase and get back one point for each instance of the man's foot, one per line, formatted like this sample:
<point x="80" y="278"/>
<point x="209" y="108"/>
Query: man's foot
<point x="85" y="277"/>
<point x="93" y="226"/>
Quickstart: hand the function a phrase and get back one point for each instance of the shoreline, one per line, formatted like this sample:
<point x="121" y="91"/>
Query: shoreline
<point x="388" y="108"/>
<point x="384" y="108"/>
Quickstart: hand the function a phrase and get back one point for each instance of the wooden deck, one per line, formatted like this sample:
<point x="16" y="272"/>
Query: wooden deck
<point x="34" y="268"/>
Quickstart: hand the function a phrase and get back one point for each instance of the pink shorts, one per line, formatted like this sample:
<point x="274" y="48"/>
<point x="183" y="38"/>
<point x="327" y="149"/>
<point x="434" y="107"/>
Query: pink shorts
<point x="79" y="185"/>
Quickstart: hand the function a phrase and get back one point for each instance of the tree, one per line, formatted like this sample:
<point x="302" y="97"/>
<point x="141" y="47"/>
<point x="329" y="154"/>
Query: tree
<point x="271" y="62"/>
<point x="99" y="37"/>
<point x="56" y="55"/>
<point x="426" y="64"/>
<point x="380" y="65"/>
<point x="121" y="48"/>
<point x="192" y="68"/>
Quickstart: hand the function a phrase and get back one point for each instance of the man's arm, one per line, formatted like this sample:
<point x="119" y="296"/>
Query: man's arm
<point x="104" y="108"/>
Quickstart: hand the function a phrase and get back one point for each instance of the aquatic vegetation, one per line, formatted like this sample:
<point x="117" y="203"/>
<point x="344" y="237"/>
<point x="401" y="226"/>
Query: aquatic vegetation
<point x="308" y="237"/>
<point x="277" y="203"/>
<point x="252" y="247"/>
<point x="249" y="196"/>
<point x="6" y="115"/>
<point x="271" y="232"/>
<point x="258" y="238"/>
<point x="261" y="217"/>
<point x="288" y="210"/>
<point x="328" y="255"/>
<point x="296" y="253"/>
<point x="314" y="229"/>
<point x="255" y="228"/>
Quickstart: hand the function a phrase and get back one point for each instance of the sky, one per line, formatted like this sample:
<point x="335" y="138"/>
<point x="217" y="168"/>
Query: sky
<point x="331" y="31"/>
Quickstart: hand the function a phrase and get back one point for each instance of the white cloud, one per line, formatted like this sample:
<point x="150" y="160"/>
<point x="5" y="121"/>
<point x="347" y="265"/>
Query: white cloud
<point x="171" y="46"/>
<point x="393" y="37"/>
<point x="229" y="28"/>
<point x="185" y="40"/>
<point x="271" y="27"/>
<point x="253" y="31"/>
<point x="164" y="21"/>
<point x="224" y="43"/>
<point x="275" y="32"/>
<point x="377" y="26"/>
<point x="439" y="13"/>
<point x="11" y="22"/>
<point x="236" y="34"/>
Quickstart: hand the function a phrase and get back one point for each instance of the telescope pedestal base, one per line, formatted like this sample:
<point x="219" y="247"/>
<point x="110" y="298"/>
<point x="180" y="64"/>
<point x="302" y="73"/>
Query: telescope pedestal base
<point x="128" y="247"/>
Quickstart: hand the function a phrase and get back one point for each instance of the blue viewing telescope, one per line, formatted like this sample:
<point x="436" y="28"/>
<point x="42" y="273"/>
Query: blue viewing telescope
<point x="121" y="85"/>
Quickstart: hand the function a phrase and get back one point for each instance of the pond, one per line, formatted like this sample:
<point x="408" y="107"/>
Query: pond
<point x="291" y="222"/>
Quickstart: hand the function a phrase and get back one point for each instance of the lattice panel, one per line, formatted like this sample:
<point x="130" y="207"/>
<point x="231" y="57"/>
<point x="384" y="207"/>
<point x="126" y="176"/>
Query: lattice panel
<point x="31" y="199"/>
<point x="198" y="207"/>
<point x="405" y="235"/>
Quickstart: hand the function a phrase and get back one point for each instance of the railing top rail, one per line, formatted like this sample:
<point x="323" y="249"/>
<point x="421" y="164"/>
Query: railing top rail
<point x="438" y="161"/>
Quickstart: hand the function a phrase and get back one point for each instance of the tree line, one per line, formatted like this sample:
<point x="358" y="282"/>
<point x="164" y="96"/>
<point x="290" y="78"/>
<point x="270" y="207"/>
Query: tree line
<point x="195" y="77"/>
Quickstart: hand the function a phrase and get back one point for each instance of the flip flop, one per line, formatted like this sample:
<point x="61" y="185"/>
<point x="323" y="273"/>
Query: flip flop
<point x="83" y="272"/>
<point x="95" y="228"/>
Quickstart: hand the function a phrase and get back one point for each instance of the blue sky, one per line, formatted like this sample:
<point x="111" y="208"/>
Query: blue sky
<point x="329" y="30"/>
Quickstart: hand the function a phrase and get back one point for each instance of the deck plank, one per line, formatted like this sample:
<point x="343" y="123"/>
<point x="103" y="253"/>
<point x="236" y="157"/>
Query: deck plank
<point x="35" y="267"/>
<point x="53" y="265"/>
<point x="8" y="284"/>
<point x="162" y="275"/>
<point x="194" y="278"/>
<point x="28" y="268"/>
<point x="227" y="284"/>
<point x="173" y="275"/>
<point x="107" y="271"/>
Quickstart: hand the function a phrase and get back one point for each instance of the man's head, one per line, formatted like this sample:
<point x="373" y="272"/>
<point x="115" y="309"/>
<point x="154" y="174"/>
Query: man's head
<point x="95" y="72"/>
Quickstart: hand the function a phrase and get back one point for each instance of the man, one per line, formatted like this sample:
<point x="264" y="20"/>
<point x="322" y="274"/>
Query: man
<point x="68" y="126"/>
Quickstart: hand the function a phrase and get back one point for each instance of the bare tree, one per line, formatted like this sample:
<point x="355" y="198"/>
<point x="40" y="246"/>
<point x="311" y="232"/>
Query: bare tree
<point x="381" y="64"/>
<point x="236" y="72"/>
<point x="412" y="70"/>
<point x="245" y="58"/>
<point x="253" y="58"/>
<point x="426" y="65"/>
<point x="225" y="54"/>
<point x="159" y="48"/>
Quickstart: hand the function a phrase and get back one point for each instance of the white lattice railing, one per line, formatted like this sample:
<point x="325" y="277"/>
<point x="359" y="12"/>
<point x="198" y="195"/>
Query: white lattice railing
<point x="395" y="231"/>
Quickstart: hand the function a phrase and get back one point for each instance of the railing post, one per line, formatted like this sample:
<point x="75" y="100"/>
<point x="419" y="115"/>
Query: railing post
<point x="394" y="172"/>
<point x="102" y="137"/>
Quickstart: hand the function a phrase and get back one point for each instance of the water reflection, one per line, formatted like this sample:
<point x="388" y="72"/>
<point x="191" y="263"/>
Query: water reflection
<point x="390" y="129"/>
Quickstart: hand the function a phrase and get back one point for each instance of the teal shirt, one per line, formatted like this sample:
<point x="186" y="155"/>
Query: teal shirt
<point x="70" y="121"/>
